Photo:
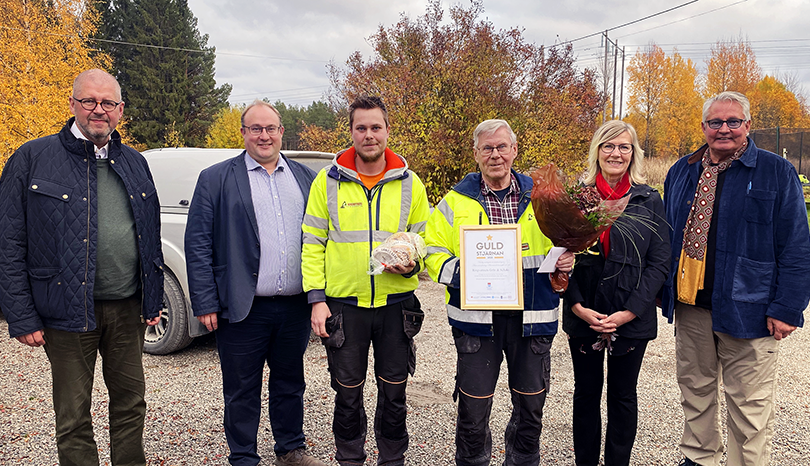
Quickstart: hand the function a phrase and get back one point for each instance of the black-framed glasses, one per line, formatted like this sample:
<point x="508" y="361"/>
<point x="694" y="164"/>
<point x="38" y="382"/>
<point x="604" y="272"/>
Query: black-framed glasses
<point x="733" y="123"/>
<point x="502" y="149"/>
<point x="256" y="130"/>
<point x="91" y="104"/>
<point x="608" y="148"/>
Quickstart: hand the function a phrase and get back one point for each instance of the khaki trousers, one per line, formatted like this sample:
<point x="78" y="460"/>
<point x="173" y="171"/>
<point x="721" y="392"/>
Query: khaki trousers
<point x="747" y="370"/>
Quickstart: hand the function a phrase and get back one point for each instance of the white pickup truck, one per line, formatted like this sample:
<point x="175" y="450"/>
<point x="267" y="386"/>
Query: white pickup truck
<point x="175" y="171"/>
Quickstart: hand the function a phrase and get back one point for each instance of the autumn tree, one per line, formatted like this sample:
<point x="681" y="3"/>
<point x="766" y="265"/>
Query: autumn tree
<point x="773" y="105"/>
<point x="732" y="66"/>
<point x="440" y="79"/>
<point x="168" y="78"/>
<point x="224" y="132"/>
<point x="43" y="48"/>
<point x="681" y="109"/>
<point x="646" y="82"/>
<point x="664" y="102"/>
<point x="314" y="137"/>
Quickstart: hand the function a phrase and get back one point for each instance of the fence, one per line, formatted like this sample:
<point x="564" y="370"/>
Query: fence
<point x="787" y="142"/>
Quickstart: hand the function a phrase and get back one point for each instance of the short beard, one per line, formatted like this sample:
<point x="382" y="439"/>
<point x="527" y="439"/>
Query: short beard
<point x="370" y="158"/>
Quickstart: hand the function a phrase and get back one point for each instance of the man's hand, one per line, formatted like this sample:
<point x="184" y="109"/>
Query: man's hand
<point x="779" y="329"/>
<point x="565" y="263"/>
<point x="400" y="269"/>
<point x="153" y="321"/>
<point x="33" y="339"/>
<point x="209" y="320"/>
<point x="320" y="312"/>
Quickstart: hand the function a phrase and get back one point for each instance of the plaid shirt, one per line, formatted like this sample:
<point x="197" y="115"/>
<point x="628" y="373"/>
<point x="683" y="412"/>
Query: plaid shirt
<point x="505" y="212"/>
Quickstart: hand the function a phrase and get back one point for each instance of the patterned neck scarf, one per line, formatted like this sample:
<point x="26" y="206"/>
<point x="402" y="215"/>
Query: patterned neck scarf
<point x="696" y="232"/>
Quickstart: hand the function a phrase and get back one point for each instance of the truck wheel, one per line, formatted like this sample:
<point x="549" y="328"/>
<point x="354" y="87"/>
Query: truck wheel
<point x="171" y="333"/>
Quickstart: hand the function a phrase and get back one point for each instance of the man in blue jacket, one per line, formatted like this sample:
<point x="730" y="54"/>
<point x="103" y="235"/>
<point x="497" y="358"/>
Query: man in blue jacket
<point x="81" y="266"/>
<point x="243" y="253"/>
<point x="739" y="282"/>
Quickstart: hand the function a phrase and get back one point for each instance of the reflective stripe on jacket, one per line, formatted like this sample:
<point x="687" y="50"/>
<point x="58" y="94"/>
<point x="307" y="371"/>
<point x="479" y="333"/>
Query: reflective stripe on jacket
<point x="464" y="205"/>
<point x="343" y="223"/>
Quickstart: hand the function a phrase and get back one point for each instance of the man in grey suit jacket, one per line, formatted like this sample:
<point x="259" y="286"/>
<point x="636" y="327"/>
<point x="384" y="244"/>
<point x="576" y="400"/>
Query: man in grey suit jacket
<point x="243" y="253"/>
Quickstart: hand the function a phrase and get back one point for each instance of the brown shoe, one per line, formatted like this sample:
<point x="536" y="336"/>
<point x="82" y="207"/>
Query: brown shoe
<point x="298" y="457"/>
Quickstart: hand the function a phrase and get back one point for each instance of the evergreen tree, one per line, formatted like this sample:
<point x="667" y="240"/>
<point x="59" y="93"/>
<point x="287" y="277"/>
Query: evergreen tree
<point x="167" y="90"/>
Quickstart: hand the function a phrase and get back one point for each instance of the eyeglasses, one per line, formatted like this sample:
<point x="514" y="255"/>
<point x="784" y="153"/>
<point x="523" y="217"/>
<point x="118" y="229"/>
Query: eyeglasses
<point x="256" y="130"/>
<point x="91" y="104"/>
<point x="503" y="149"/>
<point x="624" y="149"/>
<point x="733" y="123"/>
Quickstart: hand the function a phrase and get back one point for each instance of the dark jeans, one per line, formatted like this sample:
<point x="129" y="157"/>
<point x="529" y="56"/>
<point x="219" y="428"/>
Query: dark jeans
<point x="479" y="363"/>
<point x="276" y="331"/>
<point x="622" y="403"/>
<point x="358" y="328"/>
<point x="118" y="337"/>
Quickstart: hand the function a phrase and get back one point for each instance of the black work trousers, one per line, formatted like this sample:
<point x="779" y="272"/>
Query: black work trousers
<point x="352" y="330"/>
<point x="622" y="402"/>
<point x="479" y="363"/>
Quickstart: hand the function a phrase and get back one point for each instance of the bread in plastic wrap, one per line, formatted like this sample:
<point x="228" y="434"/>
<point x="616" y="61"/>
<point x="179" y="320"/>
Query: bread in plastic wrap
<point x="398" y="249"/>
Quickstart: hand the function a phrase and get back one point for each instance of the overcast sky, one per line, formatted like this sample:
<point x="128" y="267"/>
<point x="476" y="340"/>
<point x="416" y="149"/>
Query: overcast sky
<point x="279" y="49"/>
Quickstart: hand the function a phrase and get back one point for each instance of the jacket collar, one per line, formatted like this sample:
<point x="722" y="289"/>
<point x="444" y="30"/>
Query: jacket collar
<point x="749" y="157"/>
<point x="340" y="172"/>
<point x="470" y="185"/>
<point x="85" y="148"/>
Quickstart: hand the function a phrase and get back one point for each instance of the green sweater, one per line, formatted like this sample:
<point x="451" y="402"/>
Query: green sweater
<point x="117" y="264"/>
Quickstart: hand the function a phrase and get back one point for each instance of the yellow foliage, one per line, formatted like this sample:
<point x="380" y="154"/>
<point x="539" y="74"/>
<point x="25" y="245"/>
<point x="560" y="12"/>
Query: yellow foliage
<point x="732" y="67"/>
<point x="773" y="105"/>
<point x="172" y="137"/>
<point x="664" y="102"/>
<point x="325" y="140"/>
<point x="42" y="49"/>
<point x="224" y="131"/>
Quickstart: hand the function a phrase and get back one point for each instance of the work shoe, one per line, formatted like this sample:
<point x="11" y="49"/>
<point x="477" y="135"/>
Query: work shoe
<point x="687" y="462"/>
<point x="298" y="457"/>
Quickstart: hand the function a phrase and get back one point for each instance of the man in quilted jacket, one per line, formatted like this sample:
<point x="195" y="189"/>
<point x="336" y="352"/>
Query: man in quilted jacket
<point x="81" y="268"/>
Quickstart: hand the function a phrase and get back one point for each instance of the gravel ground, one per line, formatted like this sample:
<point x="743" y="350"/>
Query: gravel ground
<point x="184" y="417"/>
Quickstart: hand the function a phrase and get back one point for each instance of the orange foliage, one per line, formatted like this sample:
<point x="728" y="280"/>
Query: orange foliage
<point x="773" y="105"/>
<point x="664" y="104"/>
<point x="732" y="67"/>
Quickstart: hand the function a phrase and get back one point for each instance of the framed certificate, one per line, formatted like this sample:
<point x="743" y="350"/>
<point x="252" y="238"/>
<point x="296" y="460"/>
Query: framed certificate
<point x="491" y="267"/>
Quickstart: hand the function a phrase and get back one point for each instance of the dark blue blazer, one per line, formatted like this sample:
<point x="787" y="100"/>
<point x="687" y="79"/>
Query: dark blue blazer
<point x="222" y="238"/>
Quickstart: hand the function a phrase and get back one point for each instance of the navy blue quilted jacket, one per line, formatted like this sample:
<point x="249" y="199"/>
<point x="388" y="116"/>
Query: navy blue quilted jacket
<point x="48" y="230"/>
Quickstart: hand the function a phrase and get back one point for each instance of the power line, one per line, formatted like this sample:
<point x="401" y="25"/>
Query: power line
<point x="627" y="24"/>
<point x="684" y="19"/>
<point x="163" y="47"/>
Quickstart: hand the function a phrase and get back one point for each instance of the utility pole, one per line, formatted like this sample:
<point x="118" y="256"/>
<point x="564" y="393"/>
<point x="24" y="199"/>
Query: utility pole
<point x="613" y="100"/>
<point x="605" y="77"/>
<point x="621" y="89"/>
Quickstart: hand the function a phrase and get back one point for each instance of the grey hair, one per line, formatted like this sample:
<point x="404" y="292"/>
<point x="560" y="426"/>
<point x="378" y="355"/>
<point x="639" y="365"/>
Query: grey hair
<point x="611" y="130"/>
<point x="490" y="127"/>
<point x="260" y="103"/>
<point x="729" y="96"/>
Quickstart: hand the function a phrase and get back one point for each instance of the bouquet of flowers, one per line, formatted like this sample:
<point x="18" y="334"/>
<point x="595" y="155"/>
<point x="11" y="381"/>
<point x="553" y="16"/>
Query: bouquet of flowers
<point x="570" y="215"/>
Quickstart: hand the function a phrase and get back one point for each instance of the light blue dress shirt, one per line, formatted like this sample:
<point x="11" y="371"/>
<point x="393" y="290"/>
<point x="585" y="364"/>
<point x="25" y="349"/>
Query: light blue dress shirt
<point x="279" y="217"/>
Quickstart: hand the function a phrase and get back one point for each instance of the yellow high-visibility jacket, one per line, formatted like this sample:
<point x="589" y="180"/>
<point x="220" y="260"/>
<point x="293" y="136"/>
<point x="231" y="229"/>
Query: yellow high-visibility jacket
<point x="343" y="223"/>
<point x="464" y="205"/>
